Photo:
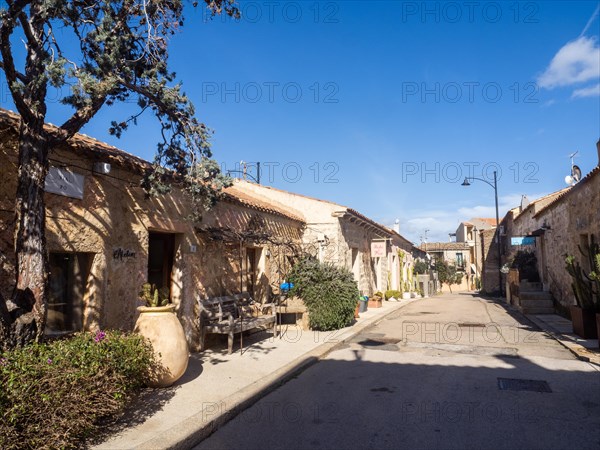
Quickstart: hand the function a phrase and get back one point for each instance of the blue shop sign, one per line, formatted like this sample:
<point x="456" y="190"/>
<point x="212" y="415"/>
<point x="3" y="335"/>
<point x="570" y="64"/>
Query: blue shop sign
<point x="522" y="240"/>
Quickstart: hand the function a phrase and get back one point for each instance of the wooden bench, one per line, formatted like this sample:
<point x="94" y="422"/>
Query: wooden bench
<point x="232" y="314"/>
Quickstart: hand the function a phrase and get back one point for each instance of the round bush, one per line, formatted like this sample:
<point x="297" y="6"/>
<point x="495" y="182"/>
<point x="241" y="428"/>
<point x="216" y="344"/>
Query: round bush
<point x="329" y="292"/>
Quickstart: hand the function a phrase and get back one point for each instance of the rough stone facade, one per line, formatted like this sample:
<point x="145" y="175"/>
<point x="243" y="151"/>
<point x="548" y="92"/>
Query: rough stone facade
<point x="342" y="236"/>
<point x="569" y="222"/>
<point x="559" y="223"/>
<point x="109" y="231"/>
<point x="449" y="251"/>
<point x="489" y="256"/>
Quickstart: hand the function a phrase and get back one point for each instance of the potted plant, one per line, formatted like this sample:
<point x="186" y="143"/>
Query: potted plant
<point x="376" y="301"/>
<point x="159" y="324"/>
<point x="393" y="295"/>
<point x="406" y="293"/>
<point x="586" y="288"/>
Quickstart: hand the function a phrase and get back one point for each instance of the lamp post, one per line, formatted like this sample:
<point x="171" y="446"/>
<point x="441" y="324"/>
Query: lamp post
<point x="245" y="173"/>
<point x="495" y="187"/>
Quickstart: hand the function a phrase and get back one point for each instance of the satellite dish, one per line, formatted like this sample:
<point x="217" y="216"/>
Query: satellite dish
<point x="576" y="173"/>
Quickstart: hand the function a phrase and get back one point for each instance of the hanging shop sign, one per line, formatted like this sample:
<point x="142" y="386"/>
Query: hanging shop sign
<point x="378" y="249"/>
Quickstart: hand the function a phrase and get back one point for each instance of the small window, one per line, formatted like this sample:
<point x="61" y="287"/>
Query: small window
<point x="460" y="263"/>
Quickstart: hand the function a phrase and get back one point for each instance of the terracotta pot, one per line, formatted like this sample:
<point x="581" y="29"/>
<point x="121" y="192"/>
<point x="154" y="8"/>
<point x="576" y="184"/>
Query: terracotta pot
<point x="375" y="302"/>
<point x="162" y="327"/>
<point x="584" y="323"/>
<point x="356" y="310"/>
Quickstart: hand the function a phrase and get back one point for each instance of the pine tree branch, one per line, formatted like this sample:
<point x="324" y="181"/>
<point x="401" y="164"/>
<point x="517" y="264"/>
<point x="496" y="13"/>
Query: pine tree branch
<point x="78" y="120"/>
<point x="8" y="64"/>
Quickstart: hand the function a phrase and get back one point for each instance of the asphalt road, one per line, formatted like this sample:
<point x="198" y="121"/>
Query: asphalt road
<point x="430" y="376"/>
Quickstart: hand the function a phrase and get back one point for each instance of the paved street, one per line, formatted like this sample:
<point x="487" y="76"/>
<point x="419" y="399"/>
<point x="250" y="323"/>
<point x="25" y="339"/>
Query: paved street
<point x="429" y="376"/>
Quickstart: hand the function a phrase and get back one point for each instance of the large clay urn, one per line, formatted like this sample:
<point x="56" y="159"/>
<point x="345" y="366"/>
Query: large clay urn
<point x="162" y="327"/>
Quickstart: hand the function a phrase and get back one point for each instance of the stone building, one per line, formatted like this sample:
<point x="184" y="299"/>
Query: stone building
<point x="343" y="236"/>
<point x="457" y="253"/>
<point x="552" y="227"/>
<point x="105" y="238"/>
<point x="469" y="232"/>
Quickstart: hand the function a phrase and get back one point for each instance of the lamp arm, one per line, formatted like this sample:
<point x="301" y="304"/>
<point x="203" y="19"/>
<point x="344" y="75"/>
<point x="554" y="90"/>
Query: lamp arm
<point x="481" y="179"/>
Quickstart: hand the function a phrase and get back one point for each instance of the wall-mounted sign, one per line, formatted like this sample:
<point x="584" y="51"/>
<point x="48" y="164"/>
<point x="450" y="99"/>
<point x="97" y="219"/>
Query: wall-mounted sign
<point x="522" y="240"/>
<point x="120" y="254"/>
<point x="378" y="249"/>
<point x="62" y="181"/>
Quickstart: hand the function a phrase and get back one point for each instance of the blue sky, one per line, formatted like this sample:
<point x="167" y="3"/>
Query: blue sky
<point x="386" y="106"/>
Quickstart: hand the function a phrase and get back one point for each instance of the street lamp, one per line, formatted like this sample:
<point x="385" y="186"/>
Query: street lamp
<point x="495" y="187"/>
<point x="245" y="173"/>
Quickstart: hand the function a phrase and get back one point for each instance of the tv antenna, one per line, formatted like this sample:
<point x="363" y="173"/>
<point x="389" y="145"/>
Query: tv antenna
<point x="575" y="176"/>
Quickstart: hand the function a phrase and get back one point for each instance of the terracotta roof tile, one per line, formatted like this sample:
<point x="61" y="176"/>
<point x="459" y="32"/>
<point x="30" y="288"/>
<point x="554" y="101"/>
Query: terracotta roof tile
<point x="82" y="142"/>
<point x="235" y="194"/>
<point x="567" y="191"/>
<point x="442" y="246"/>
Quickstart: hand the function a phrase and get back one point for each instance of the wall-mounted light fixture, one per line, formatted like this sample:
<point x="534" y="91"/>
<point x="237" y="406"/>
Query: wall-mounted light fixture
<point x="101" y="168"/>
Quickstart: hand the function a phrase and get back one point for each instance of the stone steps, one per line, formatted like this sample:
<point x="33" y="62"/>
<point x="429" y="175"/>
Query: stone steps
<point x="537" y="310"/>
<point x="539" y="295"/>
<point x="533" y="300"/>
<point x="530" y="286"/>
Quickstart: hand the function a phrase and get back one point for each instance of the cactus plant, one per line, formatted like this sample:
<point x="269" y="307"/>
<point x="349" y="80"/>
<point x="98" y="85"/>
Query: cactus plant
<point x="586" y="287"/>
<point x="154" y="297"/>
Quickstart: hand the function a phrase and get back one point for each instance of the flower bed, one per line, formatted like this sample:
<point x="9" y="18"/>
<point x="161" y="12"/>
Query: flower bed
<point x="54" y="394"/>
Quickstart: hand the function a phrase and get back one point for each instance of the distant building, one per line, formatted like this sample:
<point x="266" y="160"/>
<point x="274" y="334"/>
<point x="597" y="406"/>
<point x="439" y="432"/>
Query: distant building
<point x="469" y="232"/>
<point x="457" y="253"/>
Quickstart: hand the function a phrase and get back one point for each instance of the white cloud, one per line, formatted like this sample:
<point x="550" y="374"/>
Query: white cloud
<point x="591" y="91"/>
<point x="576" y="62"/>
<point x="441" y="222"/>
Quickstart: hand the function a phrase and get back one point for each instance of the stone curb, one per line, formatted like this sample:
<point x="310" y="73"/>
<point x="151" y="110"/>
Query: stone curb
<point x="199" y="426"/>
<point x="576" y="349"/>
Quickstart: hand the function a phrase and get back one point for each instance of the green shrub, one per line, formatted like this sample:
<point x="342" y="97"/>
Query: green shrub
<point x="54" y="394"/>
<point x="329" y="292"/>
<point x="392" y="293"/>
<point x="421" y="267"/>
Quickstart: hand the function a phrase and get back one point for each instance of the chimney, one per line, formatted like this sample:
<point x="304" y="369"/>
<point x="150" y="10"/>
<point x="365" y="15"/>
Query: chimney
<point x="397" y="222"/>
<point x="598" y="148"/>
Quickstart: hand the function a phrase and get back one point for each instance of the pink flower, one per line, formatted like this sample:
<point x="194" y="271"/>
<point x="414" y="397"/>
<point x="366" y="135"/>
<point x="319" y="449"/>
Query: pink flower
<point x="49" y="361"/>
<point x="100" y="336"/>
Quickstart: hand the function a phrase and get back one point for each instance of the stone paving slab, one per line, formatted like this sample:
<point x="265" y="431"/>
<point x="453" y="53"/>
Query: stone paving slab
<point x="561" y="329"/>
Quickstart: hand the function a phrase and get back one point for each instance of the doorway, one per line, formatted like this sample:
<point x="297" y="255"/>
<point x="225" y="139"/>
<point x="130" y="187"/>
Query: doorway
<point x="161" y="248"/>
<point x="66" y="281"/>
<point x="251" y="270"/>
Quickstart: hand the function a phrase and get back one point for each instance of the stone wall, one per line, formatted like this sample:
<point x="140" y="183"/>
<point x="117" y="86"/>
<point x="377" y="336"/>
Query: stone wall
<point x="562" y="221"/>
<point x="111" y="225"/>
<point x="571" y="221"/>
<point x="489" y="254"/>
